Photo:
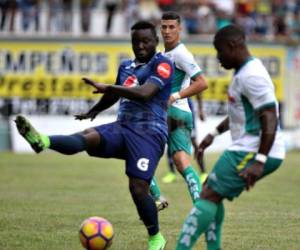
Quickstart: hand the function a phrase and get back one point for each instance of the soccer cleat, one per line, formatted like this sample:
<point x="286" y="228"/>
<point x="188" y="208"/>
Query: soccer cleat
<point x="161" y="203"/>
<point x="169" y="178"/>
<point x="156" y="242"/>
<point x="203" y="177"/>
<point x="35" y="139"/>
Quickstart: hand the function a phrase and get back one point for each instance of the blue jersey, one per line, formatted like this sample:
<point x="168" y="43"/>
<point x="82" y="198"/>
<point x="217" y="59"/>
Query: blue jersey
<point x="151" y="114"/>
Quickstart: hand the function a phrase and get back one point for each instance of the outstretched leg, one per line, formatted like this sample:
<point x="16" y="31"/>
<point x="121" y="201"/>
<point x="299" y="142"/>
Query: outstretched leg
<point x="65" y="144"/>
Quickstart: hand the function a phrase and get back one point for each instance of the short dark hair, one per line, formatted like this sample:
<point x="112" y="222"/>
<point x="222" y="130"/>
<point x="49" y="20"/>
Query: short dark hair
<point x="142" y="25"/>
<point x="231" y="32"/>
<point x="171" y="15"/>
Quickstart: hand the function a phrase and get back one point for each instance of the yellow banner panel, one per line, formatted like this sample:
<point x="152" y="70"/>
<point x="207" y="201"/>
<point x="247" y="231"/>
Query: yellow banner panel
<point x="46" y="70"/>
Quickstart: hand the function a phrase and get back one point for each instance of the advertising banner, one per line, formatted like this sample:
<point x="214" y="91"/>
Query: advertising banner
<point x="44" y="69"/>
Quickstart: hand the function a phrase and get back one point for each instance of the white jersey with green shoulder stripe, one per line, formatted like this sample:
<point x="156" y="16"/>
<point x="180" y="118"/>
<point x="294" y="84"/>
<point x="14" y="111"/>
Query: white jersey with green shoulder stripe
<point x="185" y="68"/>
<point x="251" y="89"/>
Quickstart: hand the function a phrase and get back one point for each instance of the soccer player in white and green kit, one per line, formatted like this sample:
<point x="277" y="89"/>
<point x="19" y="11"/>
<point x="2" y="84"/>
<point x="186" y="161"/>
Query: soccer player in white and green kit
<point x="188" y="80"/>
<point x="257" y="147"/>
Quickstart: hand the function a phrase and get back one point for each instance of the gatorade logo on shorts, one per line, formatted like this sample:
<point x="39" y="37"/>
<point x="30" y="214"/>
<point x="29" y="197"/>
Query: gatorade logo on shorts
<point x="143" y="164"/>
<point x="164" y="70"/>
<point x="131" y="81"/>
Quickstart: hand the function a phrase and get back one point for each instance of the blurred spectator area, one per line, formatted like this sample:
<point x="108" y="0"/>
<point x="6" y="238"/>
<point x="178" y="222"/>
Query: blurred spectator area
<point x="261" y="19"/>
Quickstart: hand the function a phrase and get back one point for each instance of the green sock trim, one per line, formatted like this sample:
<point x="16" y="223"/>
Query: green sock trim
<point x="46" y="141"/>
<point x="193" y="181"/>
<point x="154" y="188"/>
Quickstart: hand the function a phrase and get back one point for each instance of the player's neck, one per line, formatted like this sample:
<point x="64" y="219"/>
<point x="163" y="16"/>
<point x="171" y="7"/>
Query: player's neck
<point x="171" y="45"/>
<point x="243" y="60"/>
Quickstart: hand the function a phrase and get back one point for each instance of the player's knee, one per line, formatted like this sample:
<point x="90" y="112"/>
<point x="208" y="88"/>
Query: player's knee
<point x="209" y="194"/>
<point x="87" y="131"/>
<point x="92" y="138"/>
<point x="181" y="160"/>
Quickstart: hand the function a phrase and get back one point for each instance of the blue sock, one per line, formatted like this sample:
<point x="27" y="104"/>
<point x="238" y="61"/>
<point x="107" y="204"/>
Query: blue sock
<point x="67" y="144"/>
<point x="148" y="213"/>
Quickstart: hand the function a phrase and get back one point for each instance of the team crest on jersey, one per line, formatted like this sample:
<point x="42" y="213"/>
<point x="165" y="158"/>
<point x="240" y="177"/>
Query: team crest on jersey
<point x="131" y="81"/>
<point x="164" y="70"/>
<point x="231" y="99"/>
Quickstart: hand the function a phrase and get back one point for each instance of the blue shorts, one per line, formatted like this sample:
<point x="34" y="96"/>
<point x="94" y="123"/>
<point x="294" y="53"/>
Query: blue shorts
<point x="141" y="150"/>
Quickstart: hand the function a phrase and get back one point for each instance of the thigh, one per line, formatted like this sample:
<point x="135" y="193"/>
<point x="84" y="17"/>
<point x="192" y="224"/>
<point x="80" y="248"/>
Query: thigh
<point x="180" y="137"/>
<point x="224" y="178"/>
<point x="143" y="154"/>
<point x="180" y="140"/>
<point x="111" y="142"/>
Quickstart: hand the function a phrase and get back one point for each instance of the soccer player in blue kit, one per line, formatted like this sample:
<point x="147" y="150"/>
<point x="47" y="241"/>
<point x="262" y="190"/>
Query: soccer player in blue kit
<point x="140" y="133"/>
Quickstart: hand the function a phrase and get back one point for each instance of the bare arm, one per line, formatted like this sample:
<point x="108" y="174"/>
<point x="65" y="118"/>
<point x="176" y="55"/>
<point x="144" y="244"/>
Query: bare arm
<point x="223" y="126"/>
<point x="200" y="107"/>
<point x="106" y="101"/>
<point x="198" y="84"/>
<point x="268" y="120"/>
<point x="112" y="94"/>
<point x="209" y="138"/>
<point x="140" y="93"/>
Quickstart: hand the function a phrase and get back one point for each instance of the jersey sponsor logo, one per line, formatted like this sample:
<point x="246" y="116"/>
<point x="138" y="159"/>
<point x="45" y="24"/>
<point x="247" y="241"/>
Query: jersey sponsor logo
<point x="164" y="70"/>
<point x="130" y="82"/>
<point x="143" y="164"/>
<point x="231" y="99"/>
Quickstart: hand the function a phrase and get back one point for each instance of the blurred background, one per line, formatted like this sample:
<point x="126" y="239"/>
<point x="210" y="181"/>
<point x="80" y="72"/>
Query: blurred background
<point x="47" y="46"/>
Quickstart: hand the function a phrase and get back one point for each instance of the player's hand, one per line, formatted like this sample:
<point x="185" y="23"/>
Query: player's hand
<point x="89" y="115"/>
<point x="100" y="87"/>
<point x="171" y="100"/>
<point x="206" y="142"/>
<point x="252" y="173"/>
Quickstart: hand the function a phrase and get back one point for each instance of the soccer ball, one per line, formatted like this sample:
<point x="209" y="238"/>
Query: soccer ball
<point x="96" y="233"/>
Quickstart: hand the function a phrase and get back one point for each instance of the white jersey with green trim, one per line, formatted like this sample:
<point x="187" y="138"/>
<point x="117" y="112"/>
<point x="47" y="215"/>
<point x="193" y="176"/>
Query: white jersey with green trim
<point x="185" y="68"/>
<point x="251" y="89"/>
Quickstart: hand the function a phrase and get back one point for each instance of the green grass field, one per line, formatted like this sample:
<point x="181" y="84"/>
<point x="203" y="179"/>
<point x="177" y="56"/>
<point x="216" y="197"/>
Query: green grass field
<point x="44" y="198"/>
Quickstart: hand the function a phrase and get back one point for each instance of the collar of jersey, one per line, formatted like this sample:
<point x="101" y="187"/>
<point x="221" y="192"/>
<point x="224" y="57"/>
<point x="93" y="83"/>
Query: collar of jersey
<point x="136" y="63"/>
<point x="250" y="58"/>
<point x="174" y="47"/>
